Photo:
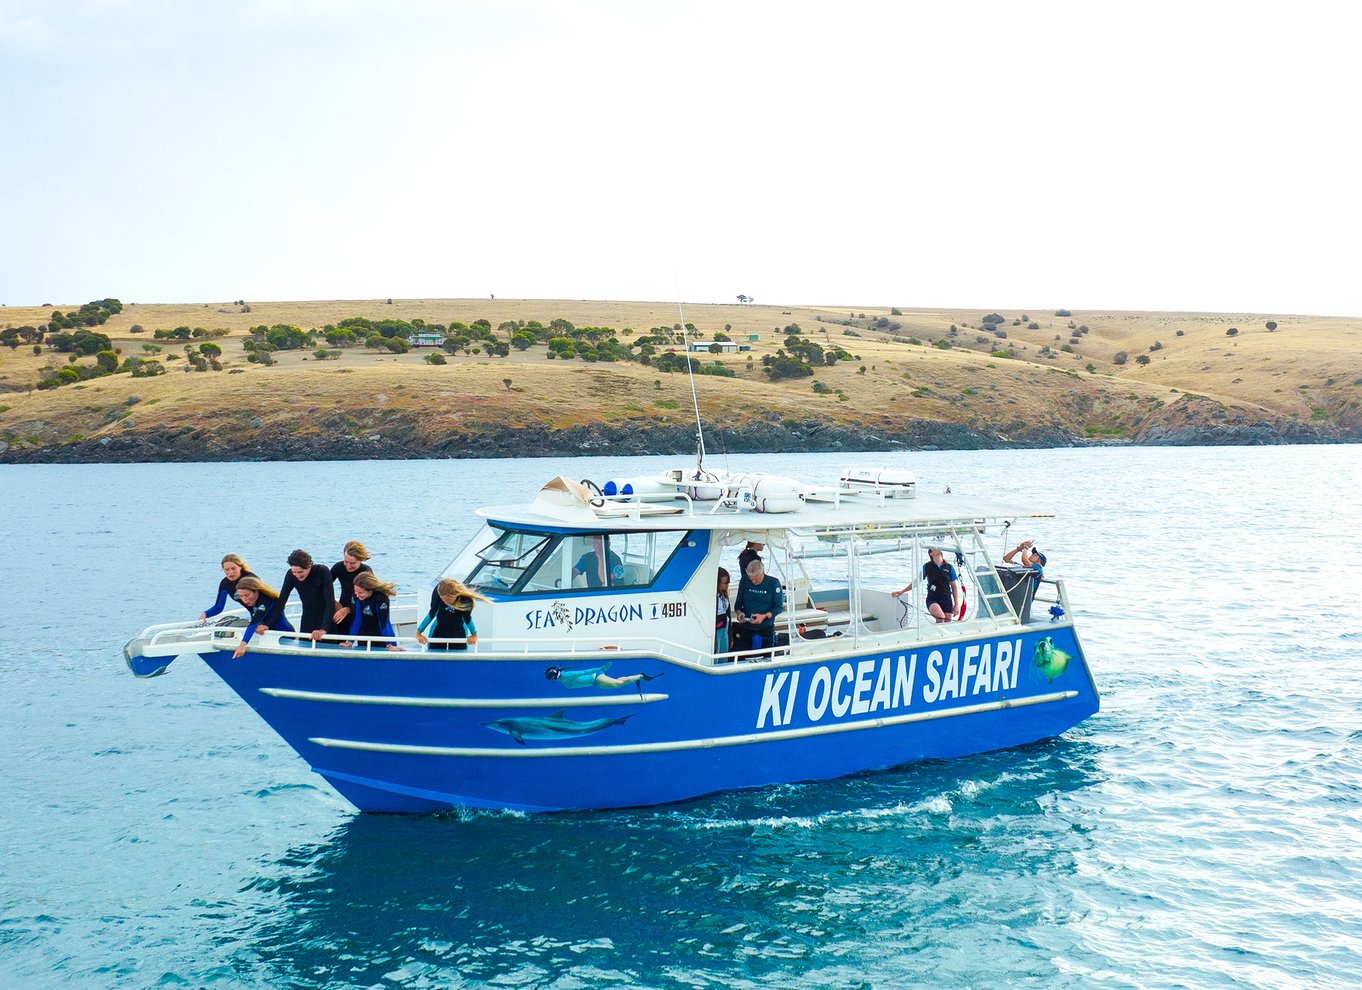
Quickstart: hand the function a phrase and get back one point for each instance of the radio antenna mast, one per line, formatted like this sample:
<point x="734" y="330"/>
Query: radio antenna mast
<point x="690" y="373"/>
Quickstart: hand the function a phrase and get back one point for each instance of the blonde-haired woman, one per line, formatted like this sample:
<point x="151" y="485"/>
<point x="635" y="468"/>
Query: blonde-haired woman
<point x="343" y="572"/>
<point x="451" y="609"/>
<point x="373" y="599"/>
<point x="259" y="599"/>
<point x="233" y="570"/>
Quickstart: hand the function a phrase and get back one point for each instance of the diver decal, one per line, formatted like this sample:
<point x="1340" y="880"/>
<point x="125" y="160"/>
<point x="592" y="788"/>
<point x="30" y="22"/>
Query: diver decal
<point x="595" y="677"/>
<point x="1051" y="660"/>
<point x="556" y="726"/>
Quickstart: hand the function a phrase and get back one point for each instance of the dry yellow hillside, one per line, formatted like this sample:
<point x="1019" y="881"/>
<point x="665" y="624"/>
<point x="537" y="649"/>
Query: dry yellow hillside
<point x="1050" y="384"/>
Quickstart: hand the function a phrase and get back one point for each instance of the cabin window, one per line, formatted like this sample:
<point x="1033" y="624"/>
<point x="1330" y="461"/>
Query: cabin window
<point x="521" y="563"/>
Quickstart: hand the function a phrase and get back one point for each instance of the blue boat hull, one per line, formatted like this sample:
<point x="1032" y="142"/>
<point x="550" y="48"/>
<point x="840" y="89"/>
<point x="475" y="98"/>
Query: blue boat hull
<point x="418" y="732"/>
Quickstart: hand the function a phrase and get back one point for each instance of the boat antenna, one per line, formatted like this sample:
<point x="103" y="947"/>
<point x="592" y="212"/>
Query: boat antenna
<point x="690" y="373"/>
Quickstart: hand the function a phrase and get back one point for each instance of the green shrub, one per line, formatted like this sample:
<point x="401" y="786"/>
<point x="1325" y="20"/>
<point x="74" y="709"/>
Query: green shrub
<point x="435" y="358"/>
<point x="1120" y="357"/>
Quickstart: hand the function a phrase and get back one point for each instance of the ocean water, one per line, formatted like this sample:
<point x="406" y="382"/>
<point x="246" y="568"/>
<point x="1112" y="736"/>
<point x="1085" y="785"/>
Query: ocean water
<point x="1203" y="830"/>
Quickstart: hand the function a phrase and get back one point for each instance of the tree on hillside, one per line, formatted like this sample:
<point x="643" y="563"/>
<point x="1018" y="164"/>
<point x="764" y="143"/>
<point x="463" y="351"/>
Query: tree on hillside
<point x="742" y="299"/>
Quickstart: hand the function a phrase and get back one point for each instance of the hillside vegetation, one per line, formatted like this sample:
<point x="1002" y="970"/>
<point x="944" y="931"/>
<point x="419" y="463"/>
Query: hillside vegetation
<point x="897" y="377"/>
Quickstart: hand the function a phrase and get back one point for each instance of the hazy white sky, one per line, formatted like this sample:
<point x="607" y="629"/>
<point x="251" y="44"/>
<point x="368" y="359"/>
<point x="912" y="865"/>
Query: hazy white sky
<point x="1017" y="155"/>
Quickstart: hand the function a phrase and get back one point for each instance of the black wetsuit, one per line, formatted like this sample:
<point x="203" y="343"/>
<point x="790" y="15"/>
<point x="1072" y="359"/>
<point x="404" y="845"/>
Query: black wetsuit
<point x="371" y="617"/>
<point x="939" y="581"/>
<point x="314" y="593"/>
<point x="746" y="557"/>
<point x="260" y="616"/>
<point x="226" y="590"/>
<point x="450" y="623"/>
<point x="346" y="598"/>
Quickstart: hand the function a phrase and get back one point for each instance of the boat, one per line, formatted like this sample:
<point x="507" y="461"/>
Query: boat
<point x="582" y="697"/>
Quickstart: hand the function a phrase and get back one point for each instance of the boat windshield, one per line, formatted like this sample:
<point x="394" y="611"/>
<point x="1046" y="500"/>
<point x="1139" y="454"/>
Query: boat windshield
<point x="503" y="562"/>
<point x="517" y="562"/>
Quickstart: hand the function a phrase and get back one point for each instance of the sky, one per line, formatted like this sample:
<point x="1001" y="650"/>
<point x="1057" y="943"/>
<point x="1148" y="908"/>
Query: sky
<point x="1152" y="156"/>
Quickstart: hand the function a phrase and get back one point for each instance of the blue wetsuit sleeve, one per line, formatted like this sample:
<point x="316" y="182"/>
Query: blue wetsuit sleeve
<point x="217" y="605"/>
<point x="251" y="625"/>
<point x="385" y="626"/>
<point x="356" y="619"/>
<point x="778" y="604"/>
<point x="469" y="628"/>
<point x="435" y="604"/>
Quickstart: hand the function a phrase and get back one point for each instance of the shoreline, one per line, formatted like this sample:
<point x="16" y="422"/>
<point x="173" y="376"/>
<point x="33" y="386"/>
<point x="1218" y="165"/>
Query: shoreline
<point x="402" y="441"/>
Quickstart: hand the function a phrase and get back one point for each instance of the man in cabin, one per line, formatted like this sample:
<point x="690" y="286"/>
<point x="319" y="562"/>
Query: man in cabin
<point x="599" y="566"/>
<point x="943" y="587"/>
<point x="760" y="599"/>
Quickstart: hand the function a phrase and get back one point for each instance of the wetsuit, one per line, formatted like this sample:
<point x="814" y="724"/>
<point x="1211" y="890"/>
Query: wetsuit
<point x="721" y="619"/>
<point x="314" y="593"/>
<point x="371" y="618"/>
<point x="939" y="581"/>
<point x="746" y="557"/>
<point x="589" y="565"/>
<point x="346" y="598"/>
<point x="226" y="590"/>
<point x="260" y="616"/>
<point x="450" y="623"/>
<point x="758" y="598"/>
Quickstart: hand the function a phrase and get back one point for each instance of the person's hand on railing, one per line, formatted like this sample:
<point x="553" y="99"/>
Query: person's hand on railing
<point x="422" y="638"/>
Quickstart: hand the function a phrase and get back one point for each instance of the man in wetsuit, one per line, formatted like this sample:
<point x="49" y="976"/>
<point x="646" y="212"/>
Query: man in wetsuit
<point x="315" y="593"/>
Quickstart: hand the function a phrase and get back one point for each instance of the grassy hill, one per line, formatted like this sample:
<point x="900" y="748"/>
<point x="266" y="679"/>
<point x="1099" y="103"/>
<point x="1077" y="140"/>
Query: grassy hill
<point x="920" y="376"/>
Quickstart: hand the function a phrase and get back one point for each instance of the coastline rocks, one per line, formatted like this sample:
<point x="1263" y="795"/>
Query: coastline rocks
<point x="406" y="437"/>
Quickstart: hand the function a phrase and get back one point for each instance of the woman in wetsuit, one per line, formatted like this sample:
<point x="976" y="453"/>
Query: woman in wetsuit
<point x="372" y="600"/>
<point x="313" y="583"/>
<point x="259" y="599"/>
<point x="451" y="609"/>
<point x="344" y="572"/>
<point x="233" y="569"/>
<point x="943" y="587"/>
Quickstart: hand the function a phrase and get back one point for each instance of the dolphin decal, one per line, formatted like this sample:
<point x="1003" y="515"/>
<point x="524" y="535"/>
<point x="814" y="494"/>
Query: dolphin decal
<point x="1051" y="660"/>
<point x="556" y="726"/>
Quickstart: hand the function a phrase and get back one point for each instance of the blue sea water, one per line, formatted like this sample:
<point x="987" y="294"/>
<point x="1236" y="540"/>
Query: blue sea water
<point x="1203" y="830"/>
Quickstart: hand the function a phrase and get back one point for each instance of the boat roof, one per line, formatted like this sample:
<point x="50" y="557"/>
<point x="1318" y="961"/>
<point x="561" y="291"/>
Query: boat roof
<point x="827" y="511"/>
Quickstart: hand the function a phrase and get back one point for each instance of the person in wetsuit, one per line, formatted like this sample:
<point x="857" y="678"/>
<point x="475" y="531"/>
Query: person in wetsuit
<point x="749" y="553"/>
<point x="313" y="583"/>
<point x="259" y="599"/>
<point x="943" y="587"/>
<point x="233" y="569"/>
<point x="760" y="599"/>
<point x="451" y="609"/>
<point x="344" y="572"/>
<point x="372" y="602"/>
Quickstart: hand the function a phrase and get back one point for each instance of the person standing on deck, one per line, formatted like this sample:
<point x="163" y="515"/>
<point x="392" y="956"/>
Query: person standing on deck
<point x="760" y="599"/>
<point x="1031" y="558"/>
<point x="943" y="587"/>
<point x="344" y="572"/>
<point x="315" y="593"/>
